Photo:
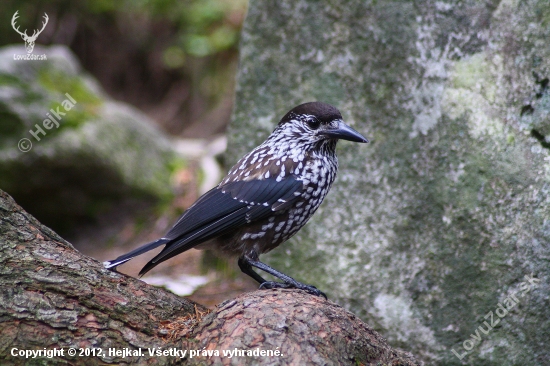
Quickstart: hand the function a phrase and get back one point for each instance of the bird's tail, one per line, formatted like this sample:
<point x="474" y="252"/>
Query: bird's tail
<point x="134" y="253"/>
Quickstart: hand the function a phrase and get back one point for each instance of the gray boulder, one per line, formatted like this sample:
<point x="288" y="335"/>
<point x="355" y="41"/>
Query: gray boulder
<point x="67" y="151"/>
<point x="430" y="230"/>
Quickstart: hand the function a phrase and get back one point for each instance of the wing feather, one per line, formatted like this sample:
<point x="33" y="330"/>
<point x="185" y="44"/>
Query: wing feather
<point x="212" y="206"/>
<point x="226" y="208"/>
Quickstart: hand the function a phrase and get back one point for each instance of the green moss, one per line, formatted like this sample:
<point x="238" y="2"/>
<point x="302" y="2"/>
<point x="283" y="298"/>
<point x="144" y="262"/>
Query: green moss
<point x="58" y="81"/>
<point x="25" y="93"/>
<point x="8" y="79"/>
<point x="73" y="118"/>
<point x="62" y="85"/>
<point x="11" y="124"/>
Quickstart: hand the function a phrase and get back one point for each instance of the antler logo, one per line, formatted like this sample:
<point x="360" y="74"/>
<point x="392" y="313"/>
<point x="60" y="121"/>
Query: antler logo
<point x="29" y="41"/>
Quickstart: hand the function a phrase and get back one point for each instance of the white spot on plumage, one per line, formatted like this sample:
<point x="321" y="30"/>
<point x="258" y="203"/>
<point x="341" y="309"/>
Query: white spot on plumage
<point x="290" y="149"/>
<point x="280" y="226"/>
<point x="258" y="235"/>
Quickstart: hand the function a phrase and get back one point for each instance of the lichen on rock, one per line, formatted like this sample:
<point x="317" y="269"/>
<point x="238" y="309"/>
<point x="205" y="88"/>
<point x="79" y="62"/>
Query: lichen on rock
<point x="440" y="217"/>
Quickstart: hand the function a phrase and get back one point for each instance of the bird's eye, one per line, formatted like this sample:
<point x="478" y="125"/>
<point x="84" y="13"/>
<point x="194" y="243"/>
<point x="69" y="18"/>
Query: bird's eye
<point x="313" y="123"/>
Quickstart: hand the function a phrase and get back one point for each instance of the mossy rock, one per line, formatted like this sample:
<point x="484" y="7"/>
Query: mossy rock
<point x="86" y="152"/>
<point x="440" y="218"/>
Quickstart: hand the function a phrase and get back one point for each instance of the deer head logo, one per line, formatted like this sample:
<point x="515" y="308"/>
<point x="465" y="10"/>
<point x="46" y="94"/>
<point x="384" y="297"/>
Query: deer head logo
<point x="29" y="41"/>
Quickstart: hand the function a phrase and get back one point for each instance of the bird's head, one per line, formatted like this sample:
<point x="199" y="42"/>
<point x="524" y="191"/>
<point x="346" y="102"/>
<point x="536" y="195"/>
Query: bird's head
<point x="317" y="122"/>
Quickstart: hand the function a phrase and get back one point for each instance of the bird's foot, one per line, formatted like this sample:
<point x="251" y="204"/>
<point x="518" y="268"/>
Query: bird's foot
<point x="307" y="288"/>
<point x="273" y="284"/>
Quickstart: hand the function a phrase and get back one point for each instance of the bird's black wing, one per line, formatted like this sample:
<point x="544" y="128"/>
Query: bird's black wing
<point x="226" y="208"/>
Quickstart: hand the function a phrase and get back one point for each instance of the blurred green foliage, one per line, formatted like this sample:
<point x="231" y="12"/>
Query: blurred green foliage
<point x="201" y="27"/>
<point x="176" y="56"/>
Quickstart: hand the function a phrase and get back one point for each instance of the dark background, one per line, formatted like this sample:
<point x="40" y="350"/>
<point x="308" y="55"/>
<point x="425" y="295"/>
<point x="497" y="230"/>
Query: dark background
<point x="175" y="61"/>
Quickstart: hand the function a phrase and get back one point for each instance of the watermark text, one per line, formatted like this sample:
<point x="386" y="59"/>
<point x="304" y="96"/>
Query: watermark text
<point x="53" y="119"/>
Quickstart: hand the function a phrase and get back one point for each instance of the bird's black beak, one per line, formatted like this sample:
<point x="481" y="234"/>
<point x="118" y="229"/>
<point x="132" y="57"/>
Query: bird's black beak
<point x="343" y="132"/>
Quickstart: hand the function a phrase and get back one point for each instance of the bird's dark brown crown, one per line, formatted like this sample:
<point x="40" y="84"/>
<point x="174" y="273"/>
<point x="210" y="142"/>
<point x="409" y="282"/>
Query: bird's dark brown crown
<point x="324" y="113"/>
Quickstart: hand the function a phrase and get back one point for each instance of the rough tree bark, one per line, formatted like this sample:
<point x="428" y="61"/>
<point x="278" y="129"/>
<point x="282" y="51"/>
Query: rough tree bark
<point x="52" y="296"/>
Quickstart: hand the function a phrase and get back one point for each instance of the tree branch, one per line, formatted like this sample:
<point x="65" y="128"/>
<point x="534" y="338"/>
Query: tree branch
<point x="52" y="296"/>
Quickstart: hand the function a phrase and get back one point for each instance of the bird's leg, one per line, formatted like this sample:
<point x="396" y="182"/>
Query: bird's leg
<point x="246" y="263"/>
<point x="246" y="268"/>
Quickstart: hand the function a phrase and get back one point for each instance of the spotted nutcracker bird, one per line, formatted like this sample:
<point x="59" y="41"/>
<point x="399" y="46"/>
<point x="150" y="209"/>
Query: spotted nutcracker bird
<point x="265" y="198"/>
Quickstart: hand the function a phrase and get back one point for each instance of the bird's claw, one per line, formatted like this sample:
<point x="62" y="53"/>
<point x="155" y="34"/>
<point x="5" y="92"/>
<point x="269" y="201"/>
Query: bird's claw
<point x="313" y="290"/>
<point x="307" y="288"/>
<point x="273" y="284"/>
